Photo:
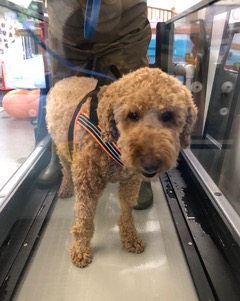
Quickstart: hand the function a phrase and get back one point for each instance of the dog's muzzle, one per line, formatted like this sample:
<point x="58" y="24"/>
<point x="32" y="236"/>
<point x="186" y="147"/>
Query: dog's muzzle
<point x="151" y="167"/>
<point x="149" y="175"/>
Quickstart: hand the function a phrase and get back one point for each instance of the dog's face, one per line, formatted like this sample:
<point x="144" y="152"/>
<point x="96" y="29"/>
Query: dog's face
<point x="150" y="115"/>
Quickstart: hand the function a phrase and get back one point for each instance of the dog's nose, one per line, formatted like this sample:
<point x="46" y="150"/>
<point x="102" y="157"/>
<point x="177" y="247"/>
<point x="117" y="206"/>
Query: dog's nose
<point x="151" y="165"/>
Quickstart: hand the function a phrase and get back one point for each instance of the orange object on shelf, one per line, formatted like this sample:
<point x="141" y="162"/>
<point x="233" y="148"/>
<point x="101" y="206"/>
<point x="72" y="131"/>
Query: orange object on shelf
<point x="22" y="103"/>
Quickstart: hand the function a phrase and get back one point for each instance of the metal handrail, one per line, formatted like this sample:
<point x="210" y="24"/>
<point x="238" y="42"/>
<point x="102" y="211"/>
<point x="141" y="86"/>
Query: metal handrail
<point x="160" y="13"/>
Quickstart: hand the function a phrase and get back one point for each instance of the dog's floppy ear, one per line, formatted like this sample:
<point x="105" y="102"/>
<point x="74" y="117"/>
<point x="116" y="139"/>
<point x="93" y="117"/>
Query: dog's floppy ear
<point x="185" y="136"/>
<point x="106" y="115"/>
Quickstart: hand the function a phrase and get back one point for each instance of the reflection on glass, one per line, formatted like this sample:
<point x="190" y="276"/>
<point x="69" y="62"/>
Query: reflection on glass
<point x="188" y="58"/>
<point x="22" y="73"/>
<point x="188" y="42"/>
<point x="233" y="58"/>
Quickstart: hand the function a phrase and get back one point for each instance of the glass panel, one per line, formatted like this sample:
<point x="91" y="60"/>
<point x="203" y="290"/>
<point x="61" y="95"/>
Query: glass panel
<point x="23" y="70"/>
<point x="206" y="58"/>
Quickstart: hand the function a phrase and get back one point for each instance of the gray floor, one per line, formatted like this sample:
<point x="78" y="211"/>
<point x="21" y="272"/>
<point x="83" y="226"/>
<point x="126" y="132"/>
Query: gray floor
<point x="160" y="273"/>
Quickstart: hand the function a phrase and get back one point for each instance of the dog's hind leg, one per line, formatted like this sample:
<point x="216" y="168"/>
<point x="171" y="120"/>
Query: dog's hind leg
<point x="88" y="189"/>
<point x="128" y="192"/>
<point x="66" y="188"/>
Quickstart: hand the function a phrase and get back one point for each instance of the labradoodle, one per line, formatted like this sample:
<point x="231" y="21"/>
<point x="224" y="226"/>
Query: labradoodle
<point x="147" y="115"/>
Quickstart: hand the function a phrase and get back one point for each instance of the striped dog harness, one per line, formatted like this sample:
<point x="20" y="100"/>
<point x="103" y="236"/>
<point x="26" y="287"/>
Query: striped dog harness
<point x="90" y="124"/>
<point x="110" y="148"/>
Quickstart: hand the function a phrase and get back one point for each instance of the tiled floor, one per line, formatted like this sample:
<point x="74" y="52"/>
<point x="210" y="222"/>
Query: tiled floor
<point x="160" y="273"/>
<point x="17" y="141"/>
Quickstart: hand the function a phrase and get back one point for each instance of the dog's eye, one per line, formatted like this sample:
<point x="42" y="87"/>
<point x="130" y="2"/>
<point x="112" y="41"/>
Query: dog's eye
<point x="133" y="116"/>
<point x="166" y="116"/>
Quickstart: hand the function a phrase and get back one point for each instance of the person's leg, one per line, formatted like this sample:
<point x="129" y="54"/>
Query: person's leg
<point x="66" y="38"/>
<point x="128" y="52"/>
<point x="70" y="48"/>
<point x="127" y="44"/>
<point x="80" y="58"/>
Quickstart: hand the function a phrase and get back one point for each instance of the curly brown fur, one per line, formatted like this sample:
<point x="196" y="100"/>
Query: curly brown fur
<point x="150" y="114"/>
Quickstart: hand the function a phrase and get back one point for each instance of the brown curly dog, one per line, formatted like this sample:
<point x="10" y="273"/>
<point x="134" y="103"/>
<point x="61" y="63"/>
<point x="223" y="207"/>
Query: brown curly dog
<point x="148" y="114"/>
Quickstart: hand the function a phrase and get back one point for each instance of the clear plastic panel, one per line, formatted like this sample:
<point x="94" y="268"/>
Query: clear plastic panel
<point x="206" y="58"/>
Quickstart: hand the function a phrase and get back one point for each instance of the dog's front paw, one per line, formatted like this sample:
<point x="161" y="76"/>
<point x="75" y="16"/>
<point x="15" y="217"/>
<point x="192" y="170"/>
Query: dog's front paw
<point x="81" y="258"/>
<point x="134" y="246"/>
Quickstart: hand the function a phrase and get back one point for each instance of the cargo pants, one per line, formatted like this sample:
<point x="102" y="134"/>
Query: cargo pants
<point x="122" y="36"/>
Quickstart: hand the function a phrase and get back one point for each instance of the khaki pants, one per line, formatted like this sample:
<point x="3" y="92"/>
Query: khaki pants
<point x="122" y="35"/>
